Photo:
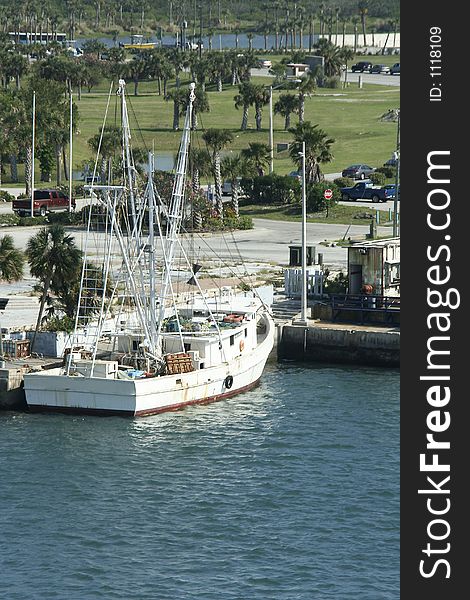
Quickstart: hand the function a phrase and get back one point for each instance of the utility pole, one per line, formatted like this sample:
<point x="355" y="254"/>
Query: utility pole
<point x="397" y="183"/>
<point x="200" y="31"/>
<point x="32" y="153"/>
<point x="70" y="151"/>
<point x="271" y="132"/>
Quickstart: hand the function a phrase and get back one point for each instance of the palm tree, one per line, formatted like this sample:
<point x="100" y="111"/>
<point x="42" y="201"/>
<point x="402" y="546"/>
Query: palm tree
<point x="110" y="142"/>
<point x="331" y="56"/>
<point x="305" y="87"/>
<point x="199" y="165"/>
<point x="219" y="68"/>
<point x="232" y="168"/>
<point x="244" y="99"/>
<point x="363" y="10"/>
<point x="176" y="95"/>
<point x="317" y="149"/>
<point x="347" y="54"/>
<point x="355" y="21"/>
<point x="258" y="155"/>
<point x="11" y="260"/>
<point x="53" y="258"/>
<point x="260" y="99"/>
<point x="138" y="69"/>
<point x="285" y="106"/>
<point x="217" y="140"/>
<point x="200" y="105"/>
<point x="250" y="37"/>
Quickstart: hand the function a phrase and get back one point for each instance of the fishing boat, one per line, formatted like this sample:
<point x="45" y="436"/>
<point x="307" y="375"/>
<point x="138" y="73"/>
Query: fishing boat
<point x="137" y="43"/>
<point x="148" y="335"/>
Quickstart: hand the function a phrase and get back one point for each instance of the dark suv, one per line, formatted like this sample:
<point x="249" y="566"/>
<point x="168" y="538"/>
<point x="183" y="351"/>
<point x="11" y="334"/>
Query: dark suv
<point x="362" y="66"/>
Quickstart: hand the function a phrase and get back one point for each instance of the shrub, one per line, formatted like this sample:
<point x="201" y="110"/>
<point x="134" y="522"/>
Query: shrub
<point x="245" y="222"/>
<point x="316" y="201"/>
<point x="26" y="221"/>
<point x="335" y="285"/>
<point x="342" y="182"/>
<point x="377" y="178"/>
<point x="272" y="189"/>
<point x="5" y="196"/>
<point x="332" y="82"/>
<point x="65" y="218"/>
<point x="389" y="172"/>
<point x="9" y="220"/>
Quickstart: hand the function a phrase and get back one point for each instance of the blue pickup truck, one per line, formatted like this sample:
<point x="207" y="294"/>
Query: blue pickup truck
<point x="365" y="190"/>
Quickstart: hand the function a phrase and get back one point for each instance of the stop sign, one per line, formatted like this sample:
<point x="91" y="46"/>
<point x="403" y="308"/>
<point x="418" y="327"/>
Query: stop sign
<point x="328" y="194"/>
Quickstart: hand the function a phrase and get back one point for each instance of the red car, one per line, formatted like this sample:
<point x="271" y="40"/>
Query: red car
<point x="44" y="201"/>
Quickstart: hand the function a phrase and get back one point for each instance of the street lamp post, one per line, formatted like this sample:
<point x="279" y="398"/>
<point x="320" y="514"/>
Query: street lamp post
<point x="303" y="312"/>
<point x="3" y="304"/>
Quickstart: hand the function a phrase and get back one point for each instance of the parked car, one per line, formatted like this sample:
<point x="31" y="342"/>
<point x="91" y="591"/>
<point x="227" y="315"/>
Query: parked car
<point x="227" y="187"/>
<point x="265" y="64"/>
<point x="295" y="174"/>
<point x="364" y="190"/>
<point x="361" y="66"/>
<point x="358" y="171"/>
<point x="395" y="70"/>
<point x="384" y="69"/>
<point x="391" y="162"/>
<point x="44" y="201"/>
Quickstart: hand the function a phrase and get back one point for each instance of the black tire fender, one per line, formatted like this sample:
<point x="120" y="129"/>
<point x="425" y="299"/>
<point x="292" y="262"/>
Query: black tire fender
<point x="228" y="382"/>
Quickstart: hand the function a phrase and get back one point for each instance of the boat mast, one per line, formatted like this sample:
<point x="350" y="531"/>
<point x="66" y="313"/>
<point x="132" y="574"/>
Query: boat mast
<point x="175" y="213"/>
<point x="127" y="157"/>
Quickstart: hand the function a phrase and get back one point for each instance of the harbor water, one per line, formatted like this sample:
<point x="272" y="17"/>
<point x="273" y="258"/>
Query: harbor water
<point x="287" y="492"/>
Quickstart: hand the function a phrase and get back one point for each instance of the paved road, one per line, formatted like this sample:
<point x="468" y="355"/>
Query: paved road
<point x="268" y="242"/>
<point x="376" y="78"/>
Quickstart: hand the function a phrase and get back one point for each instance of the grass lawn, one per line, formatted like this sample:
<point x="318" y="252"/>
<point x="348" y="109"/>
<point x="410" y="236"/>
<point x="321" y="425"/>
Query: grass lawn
<point x="350" y="116"/>
<point x="339" y="214"/>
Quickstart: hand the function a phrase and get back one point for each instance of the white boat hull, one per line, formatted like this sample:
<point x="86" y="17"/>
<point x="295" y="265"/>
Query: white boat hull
<point x="54" y="391"/>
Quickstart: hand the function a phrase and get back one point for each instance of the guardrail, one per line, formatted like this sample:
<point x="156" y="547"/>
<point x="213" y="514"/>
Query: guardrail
<point x="366" y="305"/>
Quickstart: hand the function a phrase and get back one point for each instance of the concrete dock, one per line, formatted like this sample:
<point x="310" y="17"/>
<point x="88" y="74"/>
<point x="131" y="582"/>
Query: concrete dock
<point x="320" y="341"/>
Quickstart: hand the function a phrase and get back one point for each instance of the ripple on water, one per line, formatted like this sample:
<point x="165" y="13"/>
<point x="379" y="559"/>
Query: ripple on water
<point x="289" y="492"/>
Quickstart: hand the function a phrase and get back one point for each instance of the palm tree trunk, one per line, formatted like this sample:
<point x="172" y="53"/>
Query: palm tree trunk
<point x="195" y="181"/>
<point x="176" y="115"/>
<point x="104" y="168"/>
<point x="14" y="168"/>
<point x="235" y="197"/>
<point x="287" y="122"/>
<point x="28" y="162"/>
<point x="1" y="167"/>
<point x="58" y="152"/>
<point x="219" y="83"/>
<point x="301" y="108"/>
<point x="218" y="186"/>
<point x="66" y="170"/>
<point x="258" y="115"/>
<point x="45" y="290"/>
<point x="245" y="117"/>
<point x="197" y="219"/>
<point x="195" y="121"/>
<point x="136" y="87"/>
